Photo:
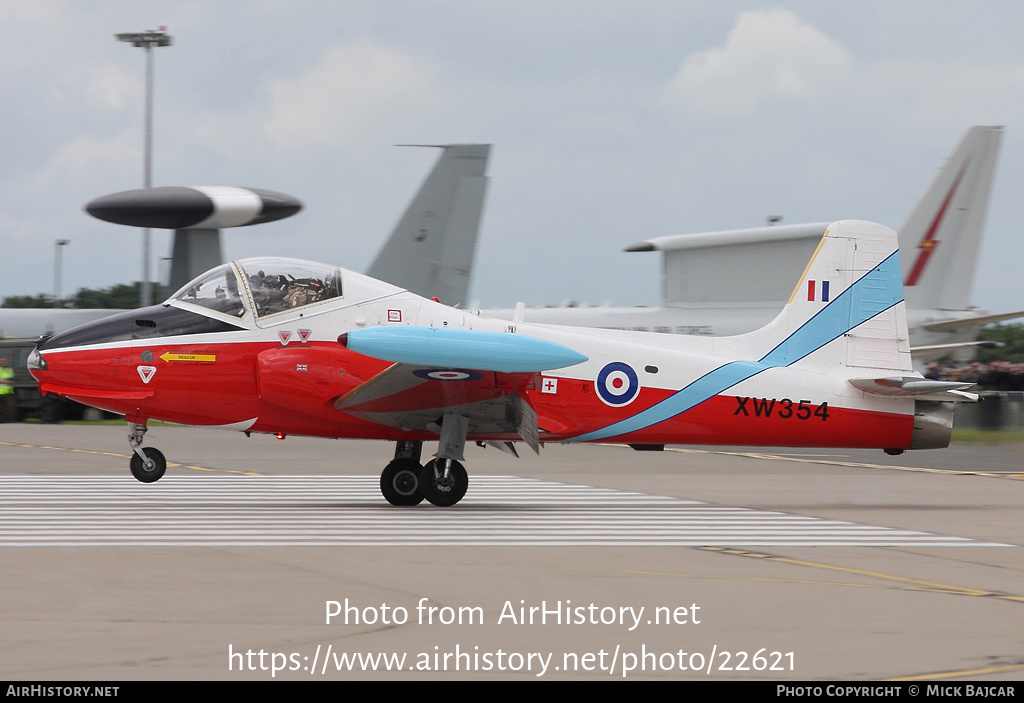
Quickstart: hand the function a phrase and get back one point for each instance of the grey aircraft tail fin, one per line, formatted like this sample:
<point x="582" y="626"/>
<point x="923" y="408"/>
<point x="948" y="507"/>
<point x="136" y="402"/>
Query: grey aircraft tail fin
<point x="940" y="237"/>
<point x="430" y="251"/>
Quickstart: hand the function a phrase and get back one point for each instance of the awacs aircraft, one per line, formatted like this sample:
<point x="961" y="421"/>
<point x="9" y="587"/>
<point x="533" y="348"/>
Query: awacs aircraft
<point x="723" y="283"/>
<point x="430" y="250"/>
<point x="291" y="347"/>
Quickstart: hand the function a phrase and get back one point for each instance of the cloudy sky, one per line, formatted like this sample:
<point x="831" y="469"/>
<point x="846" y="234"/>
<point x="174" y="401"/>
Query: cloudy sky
<point x="612" y="122"/>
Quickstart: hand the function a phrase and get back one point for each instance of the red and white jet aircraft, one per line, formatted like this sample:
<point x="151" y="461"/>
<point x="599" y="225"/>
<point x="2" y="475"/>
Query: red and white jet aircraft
<point x="292" y="347"/>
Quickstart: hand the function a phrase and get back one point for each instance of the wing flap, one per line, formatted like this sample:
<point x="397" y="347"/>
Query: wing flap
<point x="415" y="397"/>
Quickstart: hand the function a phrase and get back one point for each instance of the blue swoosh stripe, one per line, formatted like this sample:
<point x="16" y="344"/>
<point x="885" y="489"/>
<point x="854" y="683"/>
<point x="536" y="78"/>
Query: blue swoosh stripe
<point x="873" y="293"/>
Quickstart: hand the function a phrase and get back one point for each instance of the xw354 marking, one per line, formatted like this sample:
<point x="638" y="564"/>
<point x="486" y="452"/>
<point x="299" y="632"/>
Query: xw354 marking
<point x="784" y="409"/>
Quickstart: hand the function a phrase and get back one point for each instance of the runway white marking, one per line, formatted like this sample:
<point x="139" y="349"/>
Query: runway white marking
<point x="349" y="511"/>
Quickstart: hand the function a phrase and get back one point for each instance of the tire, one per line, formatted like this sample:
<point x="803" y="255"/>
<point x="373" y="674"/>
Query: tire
<point x="52" y="410"/>
<point x="400" y="482"/>
<point x="440" y="491"/>
<point x="139" y="470"/>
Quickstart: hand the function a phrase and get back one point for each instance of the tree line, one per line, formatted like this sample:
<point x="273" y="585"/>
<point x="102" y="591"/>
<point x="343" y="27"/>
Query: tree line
<point x="1012" y="337"/>
<point x="120" y="297"/>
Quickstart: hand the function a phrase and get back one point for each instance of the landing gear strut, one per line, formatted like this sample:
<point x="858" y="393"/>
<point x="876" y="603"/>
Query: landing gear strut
<point x="147" y="464"/>
<point x="444" y="482"/>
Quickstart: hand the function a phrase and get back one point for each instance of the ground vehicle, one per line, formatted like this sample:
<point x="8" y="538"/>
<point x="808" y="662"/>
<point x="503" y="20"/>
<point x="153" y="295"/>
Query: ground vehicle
<point x="28" y="402"/>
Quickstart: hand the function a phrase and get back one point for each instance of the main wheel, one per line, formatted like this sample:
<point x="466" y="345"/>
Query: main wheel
<point x="148" y="475"/>
<point x="440" y="490"/>
<point x="400" y="482"/>
<point x="52" y="409"/>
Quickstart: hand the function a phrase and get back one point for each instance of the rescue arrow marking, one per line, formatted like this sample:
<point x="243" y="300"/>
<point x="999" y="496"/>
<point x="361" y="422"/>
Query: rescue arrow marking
<point x="206" y="358"/>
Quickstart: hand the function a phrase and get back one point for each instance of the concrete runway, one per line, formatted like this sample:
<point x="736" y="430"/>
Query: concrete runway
<point x="845" y="565"/>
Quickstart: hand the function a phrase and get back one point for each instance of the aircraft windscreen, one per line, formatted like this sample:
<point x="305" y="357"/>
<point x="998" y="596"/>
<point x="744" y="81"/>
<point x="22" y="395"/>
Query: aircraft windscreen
<point x="278" y="285"/>
<point x="216" y="290"/>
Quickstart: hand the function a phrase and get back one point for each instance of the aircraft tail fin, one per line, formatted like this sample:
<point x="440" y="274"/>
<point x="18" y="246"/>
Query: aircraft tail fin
<point x="430" y="251"/>
<point x="940" y="236"/>
<point x="847" y="309"/>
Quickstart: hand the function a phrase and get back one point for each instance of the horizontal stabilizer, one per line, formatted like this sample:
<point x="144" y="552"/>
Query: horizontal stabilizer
<point x="922" y="388"/>
<point x="733" y="237"/>
<point x="953" y="346"/>
<point x="967" y="322"/>
<point x="460" y="349"/>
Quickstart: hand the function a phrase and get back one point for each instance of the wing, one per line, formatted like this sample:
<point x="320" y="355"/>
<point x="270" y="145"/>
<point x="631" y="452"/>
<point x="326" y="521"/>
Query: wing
<point x="483" y="376"/>
<point x="968" y="322"/>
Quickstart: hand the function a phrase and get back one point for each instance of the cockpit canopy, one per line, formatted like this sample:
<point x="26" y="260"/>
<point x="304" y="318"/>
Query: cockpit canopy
<point x="268" y="285"/>
<point x="216" y="289"/>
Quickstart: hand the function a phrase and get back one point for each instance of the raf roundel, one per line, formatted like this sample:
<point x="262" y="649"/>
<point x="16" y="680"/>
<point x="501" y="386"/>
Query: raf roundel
<point x="448" y="375"/>
<point x="617" y="384"/>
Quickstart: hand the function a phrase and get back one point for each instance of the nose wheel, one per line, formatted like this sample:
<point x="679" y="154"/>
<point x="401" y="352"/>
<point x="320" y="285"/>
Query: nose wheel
<point x="148" y="463"/>
<point x="152" y="468"/>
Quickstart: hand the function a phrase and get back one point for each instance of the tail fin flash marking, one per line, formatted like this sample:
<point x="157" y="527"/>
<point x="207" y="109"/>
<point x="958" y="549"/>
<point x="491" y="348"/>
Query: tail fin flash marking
<point x="811" y="291"/>
<point x="941" y="236"/>
<point x="928" y="243"/>
<point x="873" y="293"/>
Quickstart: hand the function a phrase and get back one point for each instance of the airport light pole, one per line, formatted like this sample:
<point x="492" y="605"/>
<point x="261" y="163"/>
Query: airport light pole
<point x="58" y="249"/>
<point x="147" y="40"/>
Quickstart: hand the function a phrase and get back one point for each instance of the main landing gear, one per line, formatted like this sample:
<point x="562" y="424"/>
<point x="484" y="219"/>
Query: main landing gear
<point x="147" y="464"/>
<point x="400" y="480"/>
<point x="405" y="482"/>
<point x="442" y="481"/>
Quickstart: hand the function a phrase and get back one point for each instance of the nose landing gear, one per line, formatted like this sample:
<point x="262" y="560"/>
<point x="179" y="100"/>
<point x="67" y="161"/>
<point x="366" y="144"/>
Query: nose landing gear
<point x="147" y="464"/>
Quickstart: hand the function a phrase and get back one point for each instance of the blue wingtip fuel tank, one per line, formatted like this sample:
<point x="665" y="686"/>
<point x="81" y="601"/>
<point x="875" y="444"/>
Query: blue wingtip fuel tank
<point x="461" y="349"/>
